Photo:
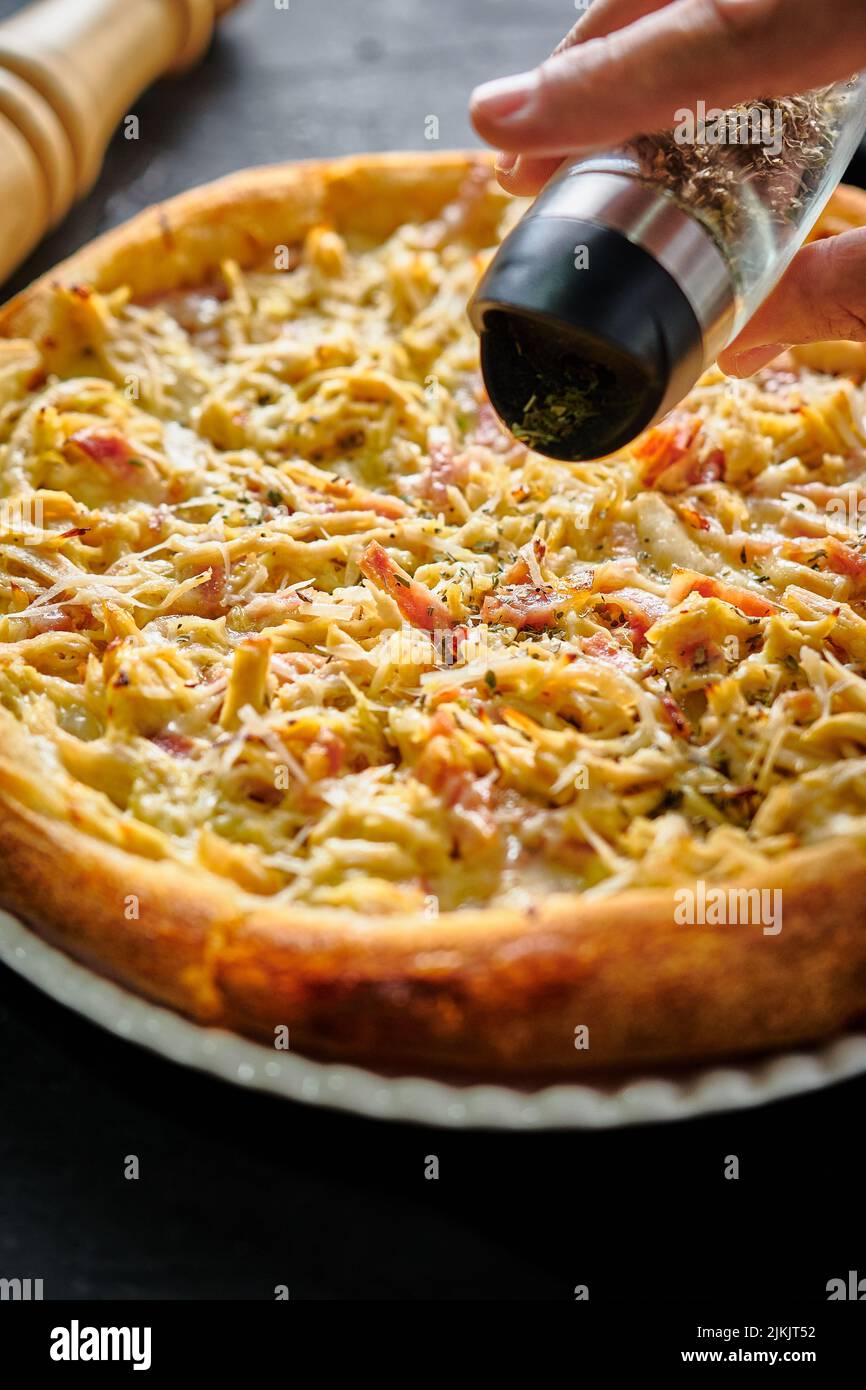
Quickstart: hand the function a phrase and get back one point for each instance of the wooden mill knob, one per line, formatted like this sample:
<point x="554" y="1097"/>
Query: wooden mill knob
<point x="68" y="71"/>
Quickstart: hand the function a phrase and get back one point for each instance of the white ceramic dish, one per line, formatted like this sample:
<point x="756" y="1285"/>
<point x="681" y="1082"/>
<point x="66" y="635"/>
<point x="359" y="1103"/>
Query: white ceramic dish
<point x="633" y="1100"/>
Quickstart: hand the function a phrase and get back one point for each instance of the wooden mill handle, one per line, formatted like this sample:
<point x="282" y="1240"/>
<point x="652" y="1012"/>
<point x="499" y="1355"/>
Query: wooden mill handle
<point x="69" y="70"/>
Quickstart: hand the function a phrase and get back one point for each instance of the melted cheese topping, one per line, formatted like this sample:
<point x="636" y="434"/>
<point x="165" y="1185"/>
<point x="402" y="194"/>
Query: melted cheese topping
<point x="282" y="600"/>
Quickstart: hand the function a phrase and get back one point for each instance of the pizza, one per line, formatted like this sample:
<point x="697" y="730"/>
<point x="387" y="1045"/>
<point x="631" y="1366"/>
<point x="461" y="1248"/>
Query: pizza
<point x="327" y="705"/>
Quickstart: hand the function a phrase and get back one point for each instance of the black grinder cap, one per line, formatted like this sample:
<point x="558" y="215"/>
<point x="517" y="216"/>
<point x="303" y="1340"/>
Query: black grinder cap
<point x="586" y="338"/>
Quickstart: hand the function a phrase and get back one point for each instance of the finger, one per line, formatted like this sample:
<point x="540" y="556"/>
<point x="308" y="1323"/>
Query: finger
<point x="603" y="16"/>
<point x="523" y="175"/>
<point x="822" y="297"/>
<point x="743" y="364"/>
<point x="601" y="91"/>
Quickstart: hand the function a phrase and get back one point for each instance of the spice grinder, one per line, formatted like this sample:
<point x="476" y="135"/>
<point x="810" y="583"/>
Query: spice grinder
<point x="633" y="269"/>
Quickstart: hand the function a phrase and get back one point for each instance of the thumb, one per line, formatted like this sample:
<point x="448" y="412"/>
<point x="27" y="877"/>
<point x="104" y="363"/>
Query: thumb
<point x="821" y="297"/>
<point x="521" y="174"/>
<point x="603" y="89"/>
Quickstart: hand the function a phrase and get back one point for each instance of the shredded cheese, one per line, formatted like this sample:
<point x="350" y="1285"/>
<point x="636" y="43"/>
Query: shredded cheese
<point x="296" y="608"/>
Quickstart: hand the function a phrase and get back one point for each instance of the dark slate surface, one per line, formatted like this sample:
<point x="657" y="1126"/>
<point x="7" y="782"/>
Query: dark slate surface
<point x="240" y="1192"/>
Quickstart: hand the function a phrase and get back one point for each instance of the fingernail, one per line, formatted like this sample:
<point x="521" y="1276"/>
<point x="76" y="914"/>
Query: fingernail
<point x="504" y="163"/>
<point x="504" y="96"/>
<point x="752" y="360"/>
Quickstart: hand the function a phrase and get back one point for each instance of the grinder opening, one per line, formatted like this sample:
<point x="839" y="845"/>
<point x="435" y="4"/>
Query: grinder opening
<point x="564" y="391"/>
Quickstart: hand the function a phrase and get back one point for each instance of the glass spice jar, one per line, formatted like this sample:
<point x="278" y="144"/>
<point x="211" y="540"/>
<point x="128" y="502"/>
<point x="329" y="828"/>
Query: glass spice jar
<point x="634" y="268"/>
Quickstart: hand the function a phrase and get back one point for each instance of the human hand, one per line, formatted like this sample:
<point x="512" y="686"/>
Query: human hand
<point x="628" y="66"/>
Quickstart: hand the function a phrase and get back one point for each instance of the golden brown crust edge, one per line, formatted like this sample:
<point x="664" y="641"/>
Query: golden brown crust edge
<point x="484" y="992"/>
<point x="481" y="992"/>
<point x="244" y="216"/>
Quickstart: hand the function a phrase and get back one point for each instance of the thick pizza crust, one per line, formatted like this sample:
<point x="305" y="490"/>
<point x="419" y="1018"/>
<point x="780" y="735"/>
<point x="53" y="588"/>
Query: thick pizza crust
<point x="483" y="992"/>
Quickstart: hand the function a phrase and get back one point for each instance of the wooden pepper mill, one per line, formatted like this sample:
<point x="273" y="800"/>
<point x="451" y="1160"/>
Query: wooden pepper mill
<point x="68" y="71"/>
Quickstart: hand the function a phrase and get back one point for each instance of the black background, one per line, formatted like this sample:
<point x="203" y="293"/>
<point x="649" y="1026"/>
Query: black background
<point x="240" y="1192"/>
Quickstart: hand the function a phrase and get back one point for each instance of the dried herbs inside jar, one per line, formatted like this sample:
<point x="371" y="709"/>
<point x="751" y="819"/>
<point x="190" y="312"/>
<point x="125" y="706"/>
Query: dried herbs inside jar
<point x="749" y="173"/>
